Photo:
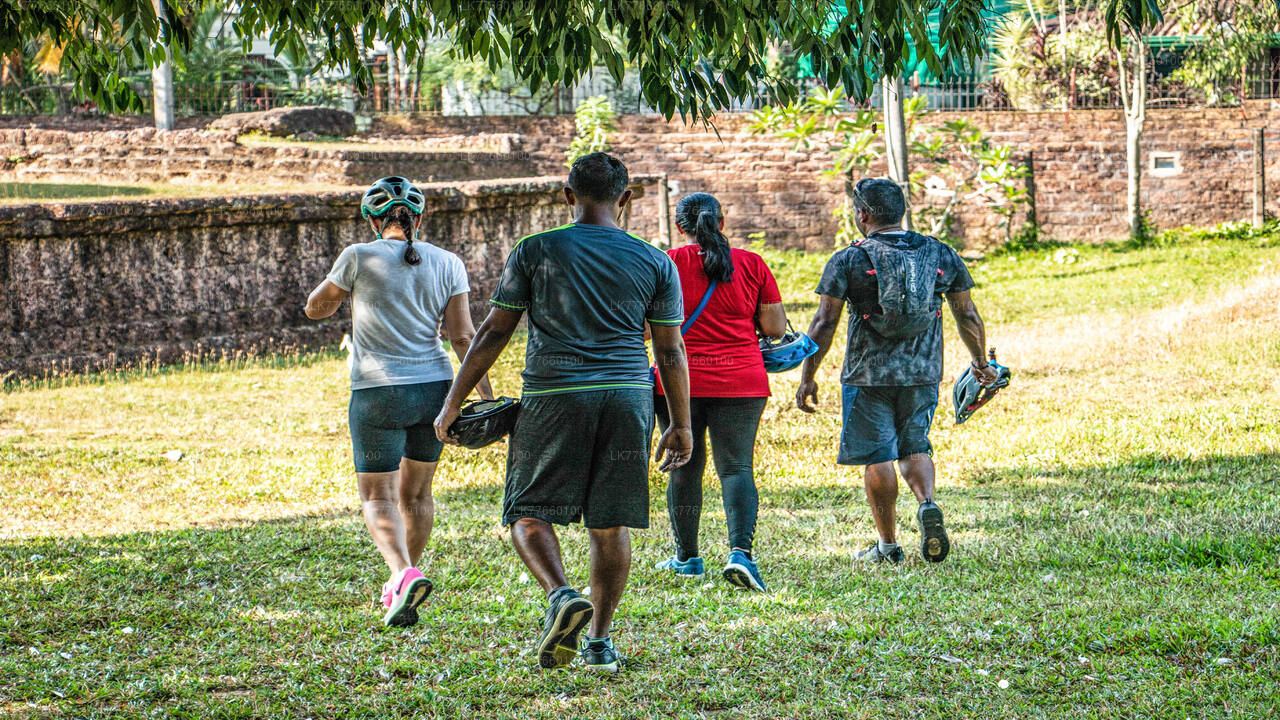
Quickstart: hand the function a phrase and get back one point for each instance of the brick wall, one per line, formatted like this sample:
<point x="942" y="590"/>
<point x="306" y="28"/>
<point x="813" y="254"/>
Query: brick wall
<point x="192" y="157"/>
<point x="103" y="284"/>
<point x="1078" y="161"/>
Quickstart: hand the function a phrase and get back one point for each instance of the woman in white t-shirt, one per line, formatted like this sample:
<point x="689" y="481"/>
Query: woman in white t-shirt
<point x="400" y="294"/>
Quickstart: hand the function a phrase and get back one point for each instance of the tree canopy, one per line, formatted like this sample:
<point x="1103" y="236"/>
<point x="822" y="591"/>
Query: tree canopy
<point x="692" y="56"/>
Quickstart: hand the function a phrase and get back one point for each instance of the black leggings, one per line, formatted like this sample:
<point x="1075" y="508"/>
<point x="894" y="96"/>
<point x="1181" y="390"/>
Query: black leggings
<point x="732" y="423"/>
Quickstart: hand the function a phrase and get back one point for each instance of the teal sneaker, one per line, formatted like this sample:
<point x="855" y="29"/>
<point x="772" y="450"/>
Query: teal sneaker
<point x="567" y="613"/>
<point x="741" y="571"/>
<point x="601" y="656"/>
<point x="690" y="569"/>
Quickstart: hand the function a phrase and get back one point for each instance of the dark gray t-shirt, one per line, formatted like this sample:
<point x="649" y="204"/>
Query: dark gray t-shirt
<point x="872" y="360"/>
<point x="588" y="290"/>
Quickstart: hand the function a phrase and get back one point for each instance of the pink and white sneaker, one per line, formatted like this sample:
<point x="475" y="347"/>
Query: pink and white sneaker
<point x="402" y="595"/>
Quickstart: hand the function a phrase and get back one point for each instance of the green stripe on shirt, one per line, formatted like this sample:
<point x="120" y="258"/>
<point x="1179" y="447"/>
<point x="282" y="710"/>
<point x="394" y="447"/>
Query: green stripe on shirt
<point x="507" y="306"/>
<point x="606" y="386"/>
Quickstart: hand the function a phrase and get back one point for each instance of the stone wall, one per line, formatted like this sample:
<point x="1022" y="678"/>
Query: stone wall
<point x="195" y="157"/>
<point x="1078" y="161"/>
<point x="104" y="284"/>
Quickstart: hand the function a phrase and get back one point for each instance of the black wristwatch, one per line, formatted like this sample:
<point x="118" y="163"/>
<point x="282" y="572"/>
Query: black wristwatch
<point x="983" y="366"/>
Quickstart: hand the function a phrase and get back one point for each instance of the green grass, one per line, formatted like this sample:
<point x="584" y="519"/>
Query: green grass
<point x="12" y="193"/>
<point x="1114" y="518"/>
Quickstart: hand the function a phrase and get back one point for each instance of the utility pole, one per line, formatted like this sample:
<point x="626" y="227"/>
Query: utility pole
<point x="162" y="75"/>
<point x="895" y="138"/>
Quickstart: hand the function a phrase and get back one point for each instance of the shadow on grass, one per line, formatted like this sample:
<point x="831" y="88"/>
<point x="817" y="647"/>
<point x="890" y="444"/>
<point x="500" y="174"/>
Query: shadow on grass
<point x="284" y="611"/>
<point x="66" y="191"/>
<point x="1212" y="512"/>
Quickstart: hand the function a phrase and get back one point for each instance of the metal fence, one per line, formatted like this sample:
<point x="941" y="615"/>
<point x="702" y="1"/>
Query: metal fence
<point x="957" y="95"/>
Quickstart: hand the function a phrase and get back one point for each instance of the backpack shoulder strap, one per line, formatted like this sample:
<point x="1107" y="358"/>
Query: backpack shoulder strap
<point x="702" y="305"/>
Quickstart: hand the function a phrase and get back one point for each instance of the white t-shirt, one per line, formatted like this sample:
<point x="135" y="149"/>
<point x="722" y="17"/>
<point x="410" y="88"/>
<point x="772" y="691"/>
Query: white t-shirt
<point x="396" y="310"/>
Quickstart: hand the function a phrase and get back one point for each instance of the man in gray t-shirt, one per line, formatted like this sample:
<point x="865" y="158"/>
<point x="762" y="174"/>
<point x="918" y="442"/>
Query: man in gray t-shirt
<point x="893" y="363"/>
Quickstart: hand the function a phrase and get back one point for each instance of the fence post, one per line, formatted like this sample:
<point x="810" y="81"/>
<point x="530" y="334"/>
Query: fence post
<point x="1259" y="177"/>
<point x="1032" y="218"/>
<point x="664" y="213"/>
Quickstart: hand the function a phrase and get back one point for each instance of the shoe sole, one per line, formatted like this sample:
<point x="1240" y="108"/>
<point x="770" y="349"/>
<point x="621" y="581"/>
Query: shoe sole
<point x="610" y="668"/>
<point x="934" y="544"/>
<point x="407" y="614"/>
<point x="559" y="644"/>
<point x="739" y="576"/>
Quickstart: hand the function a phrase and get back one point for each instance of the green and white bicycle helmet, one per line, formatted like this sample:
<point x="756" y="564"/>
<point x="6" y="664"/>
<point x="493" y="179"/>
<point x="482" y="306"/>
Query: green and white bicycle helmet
<point x="389" y="192"/>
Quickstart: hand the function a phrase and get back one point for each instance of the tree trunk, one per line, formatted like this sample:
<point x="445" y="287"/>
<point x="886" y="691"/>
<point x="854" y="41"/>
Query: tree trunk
<point x="1133" y="165"/>
<point x="393" y="84"/>
<point x="1133" y="93"/>
<point x="895" y="138"/>
<point x="1136" y="118"/>
<point x="162" y="79"/>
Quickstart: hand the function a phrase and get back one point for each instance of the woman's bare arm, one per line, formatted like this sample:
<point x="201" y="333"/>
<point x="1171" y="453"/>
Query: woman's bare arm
<point x="324" y="300"/>
<point x="772" y="319"/>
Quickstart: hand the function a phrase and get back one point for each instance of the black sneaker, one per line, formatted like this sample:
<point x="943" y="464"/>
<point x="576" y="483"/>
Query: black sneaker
<point x="934" y="544"/>
<point x="601" y="656"/>
<point x="567" y="613"/>
<point x="874" y="555"/>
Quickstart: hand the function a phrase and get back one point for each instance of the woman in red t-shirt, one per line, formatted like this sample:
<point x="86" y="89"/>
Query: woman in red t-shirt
<point x="728" y="385"/>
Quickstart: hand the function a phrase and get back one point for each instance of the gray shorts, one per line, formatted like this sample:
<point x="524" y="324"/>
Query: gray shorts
<point x="882" y="424"/>
<point x="581" y="456"/>
<point x="395" y="421"/>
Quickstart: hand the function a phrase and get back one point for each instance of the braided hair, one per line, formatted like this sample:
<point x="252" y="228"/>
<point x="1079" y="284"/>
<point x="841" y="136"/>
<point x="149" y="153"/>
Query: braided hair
<point x="404" y="217"/>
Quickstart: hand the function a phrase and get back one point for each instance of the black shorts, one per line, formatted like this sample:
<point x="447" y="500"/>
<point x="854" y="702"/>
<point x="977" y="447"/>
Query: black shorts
<point x="581" y="456"/>
<point x="395" y="421"/>
<point x="882" y="424"/>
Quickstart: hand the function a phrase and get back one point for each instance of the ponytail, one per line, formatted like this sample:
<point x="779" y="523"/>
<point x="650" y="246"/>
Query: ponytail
<point x="699" y="215"/>
<point x="411" y="256"/>
<point x="404" y="217"/>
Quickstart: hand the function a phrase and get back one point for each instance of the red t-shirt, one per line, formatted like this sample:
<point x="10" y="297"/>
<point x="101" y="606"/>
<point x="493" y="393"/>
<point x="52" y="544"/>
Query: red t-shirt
<point x="724" y="353"/>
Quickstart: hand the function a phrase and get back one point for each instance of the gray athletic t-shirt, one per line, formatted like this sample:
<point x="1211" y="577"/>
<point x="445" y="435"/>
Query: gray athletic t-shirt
<point x="396" y="310"/>
<point x="588" y="290"/>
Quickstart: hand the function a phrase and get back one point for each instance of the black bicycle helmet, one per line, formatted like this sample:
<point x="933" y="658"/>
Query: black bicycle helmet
<point x="969" y="395"/>
<point x="485" y="422"/>
<point x="388" y="192"/>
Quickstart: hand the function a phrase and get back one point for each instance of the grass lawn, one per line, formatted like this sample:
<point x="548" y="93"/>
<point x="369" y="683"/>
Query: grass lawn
<point x="16" y="193"/>
<point x="1114" y="519"/>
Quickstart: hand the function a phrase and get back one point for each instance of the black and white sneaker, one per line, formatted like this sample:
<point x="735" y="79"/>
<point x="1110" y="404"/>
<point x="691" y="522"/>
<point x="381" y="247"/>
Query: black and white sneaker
<point x="934" y="544"/>
<point x="873" y="554"/>
<point x="567" y="613"/>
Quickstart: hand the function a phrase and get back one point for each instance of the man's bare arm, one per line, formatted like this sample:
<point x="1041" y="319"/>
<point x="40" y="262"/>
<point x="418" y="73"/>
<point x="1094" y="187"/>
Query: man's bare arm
<point x="973" y="333"/>
<point x="673" y="367"/>
<point x="491" y="339"/>
<point x="822" y="331"/>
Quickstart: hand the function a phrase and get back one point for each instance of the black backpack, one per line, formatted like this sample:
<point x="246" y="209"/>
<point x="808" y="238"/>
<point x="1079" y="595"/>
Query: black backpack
<point x="907" y="276"/>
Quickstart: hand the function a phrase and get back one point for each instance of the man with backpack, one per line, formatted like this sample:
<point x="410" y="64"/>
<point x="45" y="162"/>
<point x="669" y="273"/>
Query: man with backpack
<point x="893" y="281"/>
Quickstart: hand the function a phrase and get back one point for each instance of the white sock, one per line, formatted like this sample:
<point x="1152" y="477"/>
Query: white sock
<point x="886" y="548"/>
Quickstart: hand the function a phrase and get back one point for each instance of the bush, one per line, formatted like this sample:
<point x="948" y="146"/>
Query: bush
<point x="594" y="121"/>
